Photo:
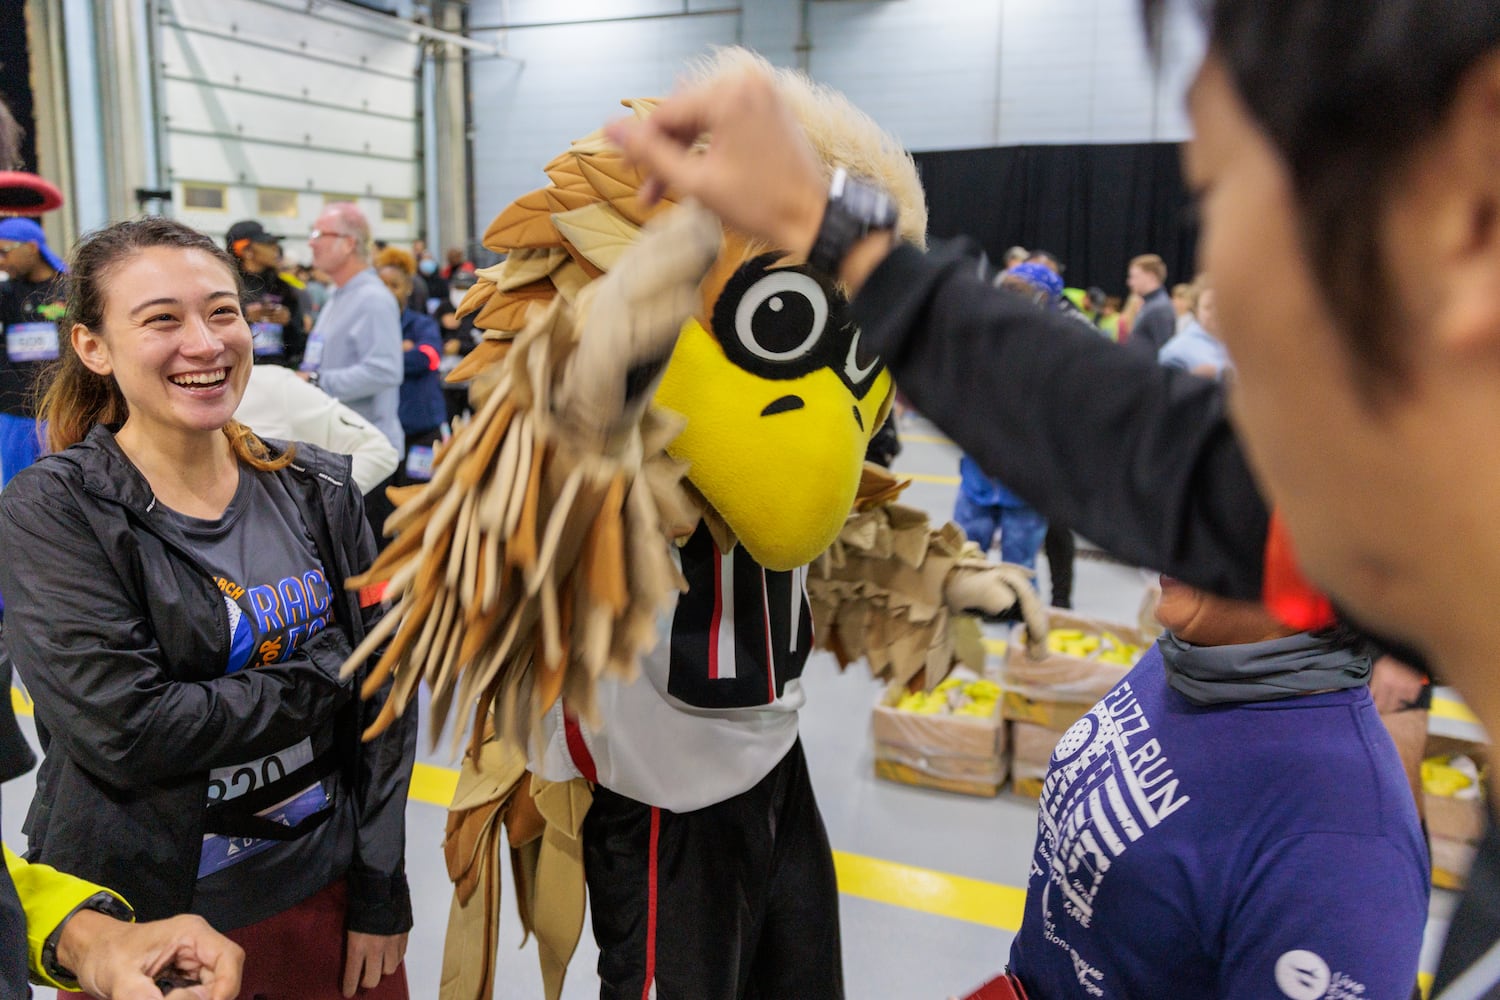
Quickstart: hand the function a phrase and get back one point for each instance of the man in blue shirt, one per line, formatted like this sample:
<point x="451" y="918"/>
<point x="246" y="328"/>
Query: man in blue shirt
<point x="354" y="352"/>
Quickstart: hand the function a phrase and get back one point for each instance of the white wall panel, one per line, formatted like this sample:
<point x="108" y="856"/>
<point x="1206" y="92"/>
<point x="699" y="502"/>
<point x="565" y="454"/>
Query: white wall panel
<point x="926" y="70"/>
<point x="940" y="74"/>
<point x="244" y="63"/>
<point x="562" y="83"/>
<point x="255" y="94"/>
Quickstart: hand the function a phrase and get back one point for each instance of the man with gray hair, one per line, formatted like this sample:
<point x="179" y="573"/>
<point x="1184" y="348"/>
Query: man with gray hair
<point x="354" y="351"/>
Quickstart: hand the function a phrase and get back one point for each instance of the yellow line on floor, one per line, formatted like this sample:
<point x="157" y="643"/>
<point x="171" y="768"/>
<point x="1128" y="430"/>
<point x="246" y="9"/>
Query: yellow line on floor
<point x="927" y="891"/>
<point x="433" y="784"/>
<point x="921" y="889"/>
<point x="911" y="888"/>
<point x="925" y="439"/>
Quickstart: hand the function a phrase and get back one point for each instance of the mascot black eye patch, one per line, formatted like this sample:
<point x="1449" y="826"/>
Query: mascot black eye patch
<point x="783" y="323"/>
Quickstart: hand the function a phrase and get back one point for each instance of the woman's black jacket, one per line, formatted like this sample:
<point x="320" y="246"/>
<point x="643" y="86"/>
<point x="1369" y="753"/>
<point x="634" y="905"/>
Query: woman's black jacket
<point x="122" y="637"/>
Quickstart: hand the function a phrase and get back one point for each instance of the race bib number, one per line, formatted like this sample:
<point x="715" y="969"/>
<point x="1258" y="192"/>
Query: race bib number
<point x="419" y="463"/>
<point x="228" y="783"/>
<point x="268" y="338"/>
<point x="31" y="341"/>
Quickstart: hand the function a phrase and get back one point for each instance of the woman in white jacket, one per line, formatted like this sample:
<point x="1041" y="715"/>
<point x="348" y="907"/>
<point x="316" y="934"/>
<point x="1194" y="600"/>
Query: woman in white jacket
<point x="278" y="404"/>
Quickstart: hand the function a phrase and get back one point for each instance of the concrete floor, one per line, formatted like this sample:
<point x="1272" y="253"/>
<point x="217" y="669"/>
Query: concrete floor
<point x="891" y="951"/>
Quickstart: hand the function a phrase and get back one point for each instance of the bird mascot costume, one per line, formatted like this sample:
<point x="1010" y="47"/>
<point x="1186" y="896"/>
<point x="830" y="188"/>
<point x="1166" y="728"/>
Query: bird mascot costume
<point x="607" y="581"/>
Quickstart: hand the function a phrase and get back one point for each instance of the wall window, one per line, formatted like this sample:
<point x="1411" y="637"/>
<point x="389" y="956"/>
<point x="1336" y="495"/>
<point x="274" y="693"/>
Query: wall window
<point x="275" y="201"/>
<point x="329" y="199"/>
<point x="205" y="197"/>
<point x="395" y="210"/>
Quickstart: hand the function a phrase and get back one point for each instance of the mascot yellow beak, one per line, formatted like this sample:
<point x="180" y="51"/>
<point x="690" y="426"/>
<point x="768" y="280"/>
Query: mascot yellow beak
<point x="780" y="407"/>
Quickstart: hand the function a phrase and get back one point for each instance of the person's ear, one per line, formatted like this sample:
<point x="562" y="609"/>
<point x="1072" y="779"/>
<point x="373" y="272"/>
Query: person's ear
<point x="1465" y="220"/>
<point x="91" y="350"/>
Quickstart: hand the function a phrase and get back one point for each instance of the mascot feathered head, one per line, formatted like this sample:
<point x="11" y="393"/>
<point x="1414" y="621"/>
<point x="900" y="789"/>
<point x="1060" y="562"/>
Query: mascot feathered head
<point x="625" y="346"/>
<point x="779" y="399"/>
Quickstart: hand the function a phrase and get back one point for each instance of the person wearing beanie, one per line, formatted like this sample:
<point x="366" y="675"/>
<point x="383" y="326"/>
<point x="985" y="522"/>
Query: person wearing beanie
<point x="31" y="307"/>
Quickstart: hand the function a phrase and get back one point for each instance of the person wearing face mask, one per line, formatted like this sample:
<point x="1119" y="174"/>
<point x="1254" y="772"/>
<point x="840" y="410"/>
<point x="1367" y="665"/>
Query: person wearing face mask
<point x="459" y="339"/>
<point x="177" y="609"/>
<point x="437" y="287"/>
<point x="423" y="410"/>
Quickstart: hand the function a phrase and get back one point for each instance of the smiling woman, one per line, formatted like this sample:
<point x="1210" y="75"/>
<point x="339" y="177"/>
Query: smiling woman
<point x="176" y="605"/>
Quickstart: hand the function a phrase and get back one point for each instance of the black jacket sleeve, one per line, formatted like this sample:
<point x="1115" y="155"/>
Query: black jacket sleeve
<point x="1137" y="458"/>
<point x="379" y="898"/>
<point x="92" y="662"/>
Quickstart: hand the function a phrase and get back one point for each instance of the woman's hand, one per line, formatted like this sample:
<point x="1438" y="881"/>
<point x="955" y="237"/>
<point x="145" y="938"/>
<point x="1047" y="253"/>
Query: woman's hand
<point x="369" y="958"/>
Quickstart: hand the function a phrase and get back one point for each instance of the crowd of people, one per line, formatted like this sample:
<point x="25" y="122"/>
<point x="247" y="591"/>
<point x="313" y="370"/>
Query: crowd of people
<point x="196" y="442"/>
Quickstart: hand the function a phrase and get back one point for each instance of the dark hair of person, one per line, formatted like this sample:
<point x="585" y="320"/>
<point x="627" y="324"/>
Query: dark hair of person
<point x="1347" y="91"/>
<point x="74" y="399"/>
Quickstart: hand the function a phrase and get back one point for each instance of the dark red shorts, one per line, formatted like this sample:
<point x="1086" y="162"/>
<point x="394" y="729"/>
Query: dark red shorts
<point x="299" y="954"/>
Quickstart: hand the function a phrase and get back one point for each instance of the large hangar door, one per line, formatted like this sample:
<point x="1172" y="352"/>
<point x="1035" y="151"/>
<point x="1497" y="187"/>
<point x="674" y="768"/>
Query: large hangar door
<point x="269" y="112"/>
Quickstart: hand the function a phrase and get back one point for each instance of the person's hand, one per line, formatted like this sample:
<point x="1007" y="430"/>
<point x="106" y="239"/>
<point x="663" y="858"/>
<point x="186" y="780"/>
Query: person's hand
<point x="407" y="345"/>
<point x="255" y="312"/>
<point x="369" y="958"/>
<point x="759" y="173"/>
<point x="116" y="960"/>
<point x="450" y="321"/>
<point x="281" y="314"/>
<point x="452" y="346"/>
<point x="304" y="376"/>
<point x="1395" y="686"/>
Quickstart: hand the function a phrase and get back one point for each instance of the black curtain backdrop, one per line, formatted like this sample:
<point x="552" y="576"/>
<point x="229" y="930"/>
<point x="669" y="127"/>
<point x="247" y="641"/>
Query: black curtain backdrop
<point x="1094" y="207"/>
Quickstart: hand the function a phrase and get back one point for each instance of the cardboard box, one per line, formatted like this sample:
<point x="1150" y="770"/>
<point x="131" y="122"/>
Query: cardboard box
<point x="955" y="753"/>
<point x="1031" y="747"/>
<point x="1451" y="861"/>
<point x="1058" y="715"/>
<point x="1058" y="677"/>
<point x="1455" y="819"/>
<point x="1031" y="788"/>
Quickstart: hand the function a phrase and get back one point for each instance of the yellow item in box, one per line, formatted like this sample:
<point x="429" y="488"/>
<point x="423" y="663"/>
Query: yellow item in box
<point x="1453" y="797"/>
<point x="1057" y="715"/>
<point x="1086" y="658"/>
<point x="1450" y="777"/>
<point x="959" y="752"/>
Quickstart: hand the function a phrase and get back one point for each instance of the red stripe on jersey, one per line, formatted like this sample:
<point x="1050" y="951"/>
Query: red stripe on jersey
<point x="373" y="594"/>
<point x="713" y="623"/>
<point x="651" y="905"/>
<point x="577" y="748"/>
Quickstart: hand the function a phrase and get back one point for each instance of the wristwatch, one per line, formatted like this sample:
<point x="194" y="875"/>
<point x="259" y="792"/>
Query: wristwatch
<point x="855" y="209"/>
<point x="312" y="377"/>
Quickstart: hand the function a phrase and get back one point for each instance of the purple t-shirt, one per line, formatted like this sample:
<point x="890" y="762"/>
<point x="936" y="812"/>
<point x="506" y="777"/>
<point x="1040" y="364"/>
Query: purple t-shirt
<point x="1259" y="850"/>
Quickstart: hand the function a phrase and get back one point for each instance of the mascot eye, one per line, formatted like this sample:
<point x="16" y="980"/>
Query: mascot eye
<point x="782" y="316"/>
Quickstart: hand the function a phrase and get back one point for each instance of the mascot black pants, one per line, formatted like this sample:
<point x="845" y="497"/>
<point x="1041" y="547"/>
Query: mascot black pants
<point x="736" y="901"/>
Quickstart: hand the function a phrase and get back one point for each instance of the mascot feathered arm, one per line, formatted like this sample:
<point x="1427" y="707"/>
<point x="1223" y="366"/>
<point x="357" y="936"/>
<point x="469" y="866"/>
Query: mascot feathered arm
<point x="901" y="595"/>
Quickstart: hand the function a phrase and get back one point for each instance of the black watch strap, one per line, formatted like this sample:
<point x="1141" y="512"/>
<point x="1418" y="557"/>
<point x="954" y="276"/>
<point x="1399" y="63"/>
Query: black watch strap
<point x="855" y="209"/>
